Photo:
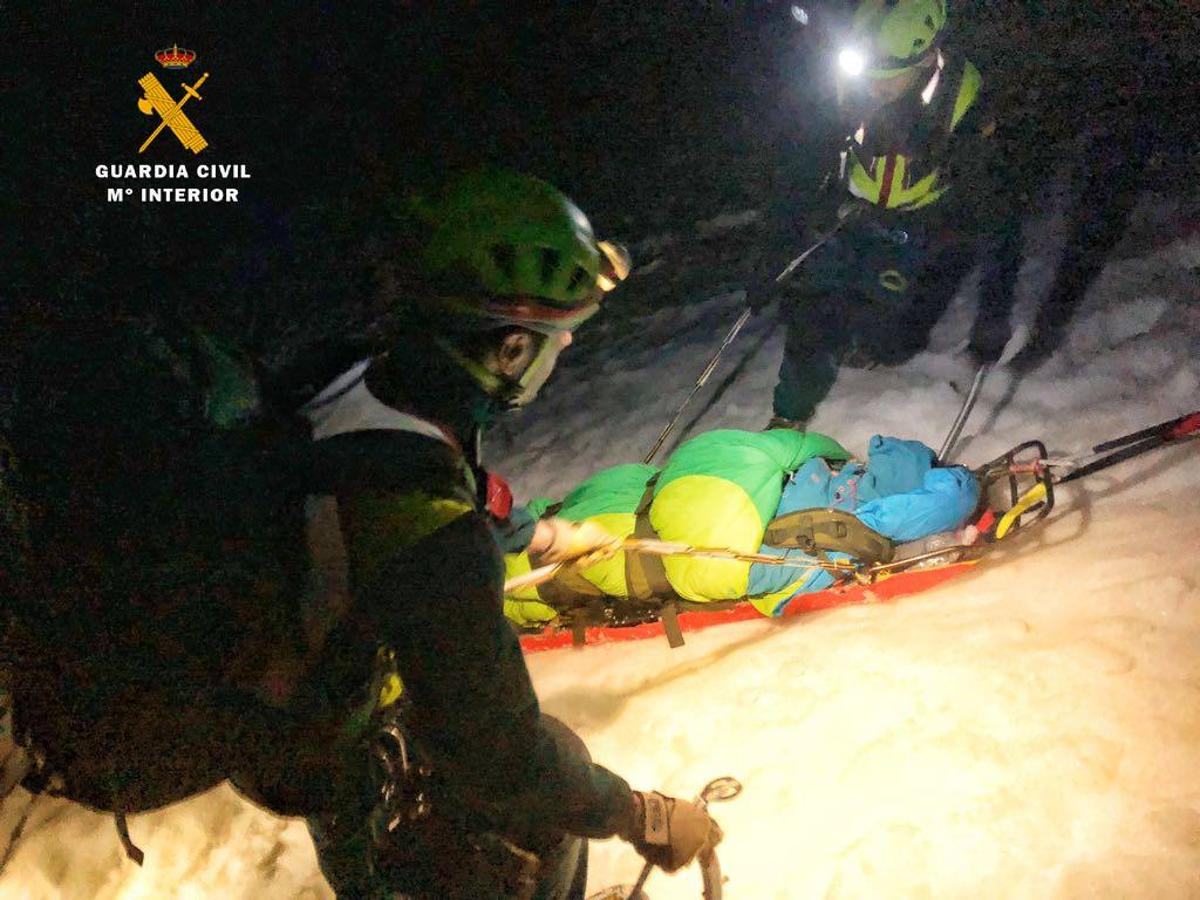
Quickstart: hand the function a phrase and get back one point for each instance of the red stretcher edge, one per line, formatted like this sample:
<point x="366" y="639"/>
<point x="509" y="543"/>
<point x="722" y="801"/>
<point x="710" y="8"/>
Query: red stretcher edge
<point x="899" y="585"/>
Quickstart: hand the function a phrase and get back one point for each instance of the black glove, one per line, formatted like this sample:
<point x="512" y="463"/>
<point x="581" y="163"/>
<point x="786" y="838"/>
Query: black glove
<point x="760" y="291"/>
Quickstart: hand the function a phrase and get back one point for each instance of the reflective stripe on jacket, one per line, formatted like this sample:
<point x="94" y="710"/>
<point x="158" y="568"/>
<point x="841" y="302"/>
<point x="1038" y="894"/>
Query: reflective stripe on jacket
<point x="907" y="182"/>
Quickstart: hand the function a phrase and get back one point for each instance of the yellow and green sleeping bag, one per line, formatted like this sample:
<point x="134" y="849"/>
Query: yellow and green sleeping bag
<point x="719" y="489"/>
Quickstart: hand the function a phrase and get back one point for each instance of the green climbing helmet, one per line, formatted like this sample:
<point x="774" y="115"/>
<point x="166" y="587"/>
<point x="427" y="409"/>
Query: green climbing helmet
<point x="897" y="34"/>
<point x="507" y="248"/>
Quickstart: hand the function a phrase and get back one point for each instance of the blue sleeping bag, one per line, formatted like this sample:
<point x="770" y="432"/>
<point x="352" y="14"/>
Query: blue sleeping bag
<point x="898" y="492"/>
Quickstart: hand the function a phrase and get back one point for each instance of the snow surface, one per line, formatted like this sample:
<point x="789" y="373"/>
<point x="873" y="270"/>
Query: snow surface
<point x="1029" y="730"/>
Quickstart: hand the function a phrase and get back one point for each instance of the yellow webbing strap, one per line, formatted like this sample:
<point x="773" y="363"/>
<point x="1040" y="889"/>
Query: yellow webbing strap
<point x="1029" y="499"/>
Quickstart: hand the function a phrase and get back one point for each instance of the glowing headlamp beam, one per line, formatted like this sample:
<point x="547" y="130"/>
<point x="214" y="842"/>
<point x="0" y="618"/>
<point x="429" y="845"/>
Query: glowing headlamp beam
<point x="851" y="62"/>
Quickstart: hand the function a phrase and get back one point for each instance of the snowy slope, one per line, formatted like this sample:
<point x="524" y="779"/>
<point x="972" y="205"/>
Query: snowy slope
<point x="1030" y="730"/>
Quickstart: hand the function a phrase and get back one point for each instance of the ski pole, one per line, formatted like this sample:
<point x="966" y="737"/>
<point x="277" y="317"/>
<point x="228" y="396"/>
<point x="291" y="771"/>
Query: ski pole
<point x="724" y="788"/>
<point x="964" y="413"/>
<point x="1135" y="444"/>
<point x="700" y="382"/>
<point x="737" y="327"/>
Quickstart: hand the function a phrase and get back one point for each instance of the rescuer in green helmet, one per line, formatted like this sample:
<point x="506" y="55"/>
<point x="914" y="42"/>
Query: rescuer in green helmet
<point x="305" y="598"/>
<point x="469" y="792"/>
<point x="509" y="252"/>
<point x="918" y="185"/>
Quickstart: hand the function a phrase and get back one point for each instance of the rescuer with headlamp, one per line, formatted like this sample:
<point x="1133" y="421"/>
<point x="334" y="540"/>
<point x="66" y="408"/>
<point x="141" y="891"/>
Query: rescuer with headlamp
<point x="917" y="196"/>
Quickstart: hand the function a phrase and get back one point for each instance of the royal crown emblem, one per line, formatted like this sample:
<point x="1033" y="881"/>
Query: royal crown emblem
<point x="175" y="58"/>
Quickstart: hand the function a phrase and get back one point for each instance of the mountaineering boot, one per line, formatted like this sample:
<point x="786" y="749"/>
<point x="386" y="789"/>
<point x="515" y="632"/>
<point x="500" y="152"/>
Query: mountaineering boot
<point x="781" y="422"/>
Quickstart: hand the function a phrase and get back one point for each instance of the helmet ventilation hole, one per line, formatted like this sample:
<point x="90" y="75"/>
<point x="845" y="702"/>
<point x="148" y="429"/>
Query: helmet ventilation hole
<point x="551" y="259"/>
<point x="577" y="278"/>
<point x="505" y="258"/>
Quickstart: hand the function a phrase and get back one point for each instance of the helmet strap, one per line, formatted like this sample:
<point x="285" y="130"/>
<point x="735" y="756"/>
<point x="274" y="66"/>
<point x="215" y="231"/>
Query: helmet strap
<point x="493" y="383"/>
<point x="538" y="369"/>
<point x="513" y="392"/>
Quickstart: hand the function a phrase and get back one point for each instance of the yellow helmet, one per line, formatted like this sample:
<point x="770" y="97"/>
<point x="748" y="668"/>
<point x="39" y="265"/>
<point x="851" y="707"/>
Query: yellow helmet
<point x="897" y="34"/>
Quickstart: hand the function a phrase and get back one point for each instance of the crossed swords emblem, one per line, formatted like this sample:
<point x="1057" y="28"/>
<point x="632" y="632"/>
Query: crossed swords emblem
<point x="157" y="100"/>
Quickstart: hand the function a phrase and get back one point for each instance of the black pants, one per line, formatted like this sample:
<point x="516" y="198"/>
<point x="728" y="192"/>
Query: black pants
<point x="1128" y="126"/>
<point x="442" y="856"/>
<point x="1108" y="185"/>
<point x="878" y="290"/>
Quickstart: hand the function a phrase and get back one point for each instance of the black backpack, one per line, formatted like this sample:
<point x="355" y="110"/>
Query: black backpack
<point x="162" y="553"/>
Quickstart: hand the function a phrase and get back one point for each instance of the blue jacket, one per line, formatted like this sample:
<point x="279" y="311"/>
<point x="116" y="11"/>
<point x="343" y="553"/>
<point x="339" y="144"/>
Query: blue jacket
<point x="898" y="492"/>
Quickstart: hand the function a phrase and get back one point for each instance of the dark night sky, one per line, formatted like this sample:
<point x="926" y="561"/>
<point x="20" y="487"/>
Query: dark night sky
<point x="338" y="109"/>
<point x="649" y="114"/>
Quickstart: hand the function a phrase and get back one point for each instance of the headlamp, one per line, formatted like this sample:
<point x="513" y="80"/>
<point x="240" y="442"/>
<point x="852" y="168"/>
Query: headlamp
<point x="851" y="62"/>
<point x="615" y="265"/>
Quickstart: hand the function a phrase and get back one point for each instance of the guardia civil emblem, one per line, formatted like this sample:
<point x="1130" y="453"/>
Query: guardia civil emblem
<point x="157" y="100"/>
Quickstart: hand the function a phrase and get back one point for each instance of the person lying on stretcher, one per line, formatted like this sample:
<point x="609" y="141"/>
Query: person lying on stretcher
<point x="721" y="490"/>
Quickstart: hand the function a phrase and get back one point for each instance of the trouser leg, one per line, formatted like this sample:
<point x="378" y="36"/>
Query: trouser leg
<point x="902" y="328"/>
<point x="812" y="351"/>
<point x="563" y="871"/>
<point x="1107" y="196"/>
<point x="1000" y="263"/>
<point x="1100" y="222"/>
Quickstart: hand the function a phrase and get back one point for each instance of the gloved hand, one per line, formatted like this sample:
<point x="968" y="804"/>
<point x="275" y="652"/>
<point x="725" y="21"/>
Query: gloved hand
<point x="851" y="209"/>
<point x="558" y="540"/>
<point x="669" y="832"/>
<point x="760" y="291"/>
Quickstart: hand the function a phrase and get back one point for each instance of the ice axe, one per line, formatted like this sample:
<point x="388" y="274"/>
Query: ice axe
<point x="723" y="788"/>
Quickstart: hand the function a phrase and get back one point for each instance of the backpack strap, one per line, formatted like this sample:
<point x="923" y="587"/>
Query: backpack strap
<point x="818" y="531"/>
<point x="646" y="575"/>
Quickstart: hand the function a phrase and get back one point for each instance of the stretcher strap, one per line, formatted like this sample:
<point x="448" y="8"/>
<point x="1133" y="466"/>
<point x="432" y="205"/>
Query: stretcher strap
<point x="645" y="575"/>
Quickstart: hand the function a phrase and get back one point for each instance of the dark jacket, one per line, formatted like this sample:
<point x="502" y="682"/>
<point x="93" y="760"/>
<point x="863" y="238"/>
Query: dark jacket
<point x="167" y="595"/>
<point x="426" y="579"/>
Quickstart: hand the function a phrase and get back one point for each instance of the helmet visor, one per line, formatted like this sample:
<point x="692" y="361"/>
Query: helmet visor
<point x="480" y="314"/>
<point x="538" y="316"/>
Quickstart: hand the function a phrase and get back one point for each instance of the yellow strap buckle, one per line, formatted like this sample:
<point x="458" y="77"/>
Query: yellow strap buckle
<point x="1028" y="501"/>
